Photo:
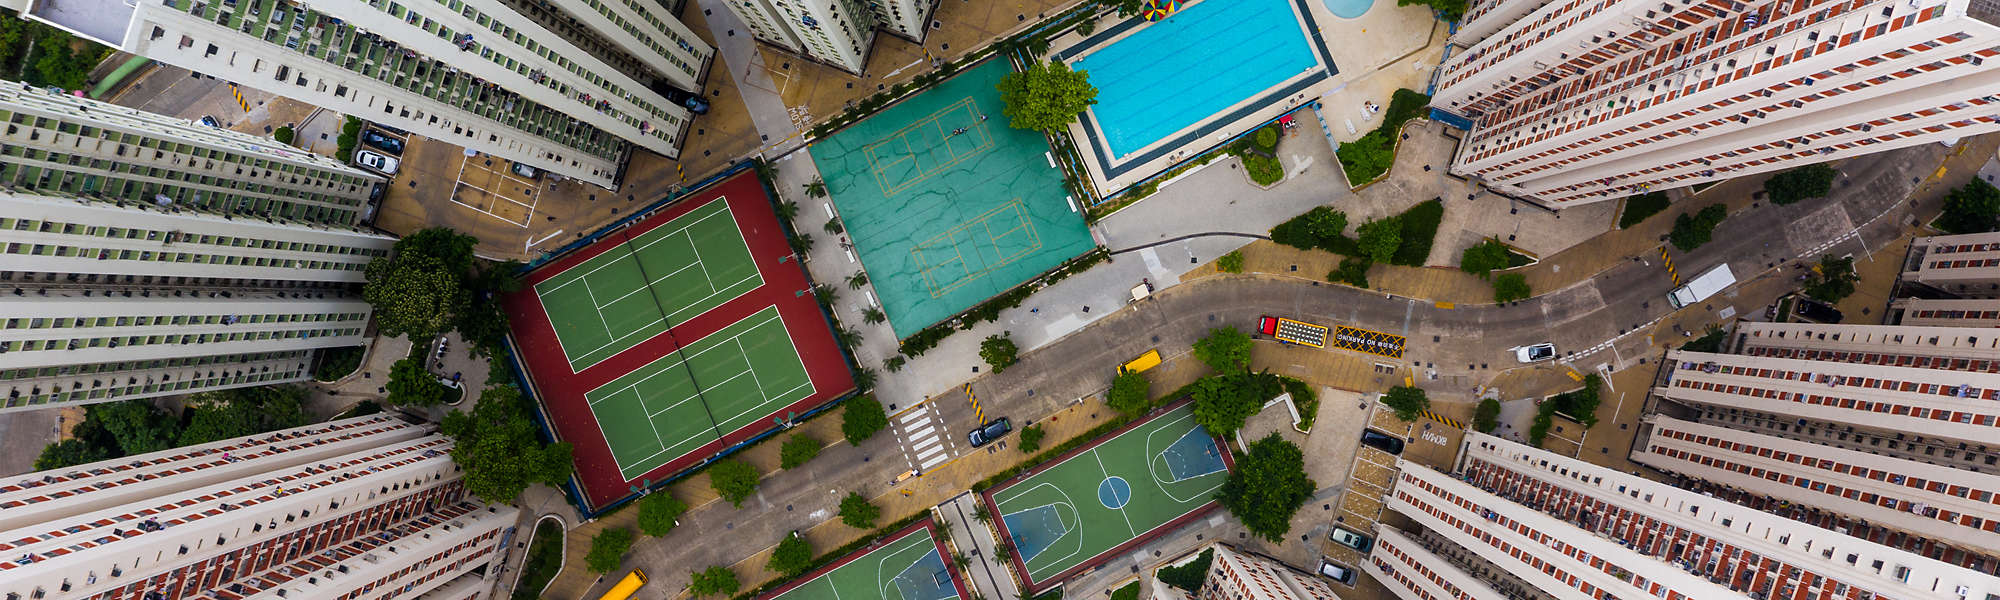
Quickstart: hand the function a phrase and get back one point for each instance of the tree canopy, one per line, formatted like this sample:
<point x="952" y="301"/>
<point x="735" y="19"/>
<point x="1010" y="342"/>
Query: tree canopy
<point x="862" y="417"/>
<point x="1380" y="238"/>
<point x="999" y="352"/>
<point x="1486" y="417"/>
<point x="1046" y="97"/>
<point x="1484" y="258"/>
<point x="137" y="426"/>
<point x="1810" y="181"/>
<point x="419" y="290"/>
<point x="607" y="549"/>
<point x="733" y="479"/>
<point x="498" y="447"/>
<point x="1832" y="279"/>
<point x="712" y="581"/>
<point x="1131" y="393"/>
<point x="857" y="512"/>
<point x="1693" y="230"/>
<point x="237" y="412"/>
<point x="1407" y="401"/>
<point x="658" y="511"/>
<point x="1223" y="402"/>
<point x="792" y="556"/>
<point x="484" y="323"/>
<point x="1225" y="349"/>
<point x="1267" y="487"/>
<point x="1970" y="208"/>
<point x="1509" y="287"/>
<point x="797" y="450"/>
<point x="410" y="384"/>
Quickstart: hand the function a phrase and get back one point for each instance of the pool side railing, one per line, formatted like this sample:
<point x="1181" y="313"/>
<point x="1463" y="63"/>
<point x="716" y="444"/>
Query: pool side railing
<point x="1149" y="185"/>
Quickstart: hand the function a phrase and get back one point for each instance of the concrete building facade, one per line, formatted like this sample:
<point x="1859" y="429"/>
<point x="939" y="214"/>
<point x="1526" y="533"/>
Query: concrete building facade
<point x="1577" y="102"/>
<point x="1579" y="531"/>
<point x="1962" y="266"/>
<point x="566" y="87"/>
<point x="835" y="32"/>
<point x="148" y="256"/>
<point x="1946" y="312"/>
<point x="1238" y="575"/>
<point x="370" y="505"/>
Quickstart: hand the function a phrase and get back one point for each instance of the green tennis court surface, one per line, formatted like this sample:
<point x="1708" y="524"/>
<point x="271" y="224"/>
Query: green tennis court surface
<point x="712" y="386"/>
<point x="908" y="568"/>
<point x="1113" y="492"/>
<point x="655" y="280"/>
<point x="946" y="204"/>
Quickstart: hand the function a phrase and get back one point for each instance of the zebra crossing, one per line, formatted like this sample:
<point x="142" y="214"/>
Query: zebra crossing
<point x="923" y="435"/>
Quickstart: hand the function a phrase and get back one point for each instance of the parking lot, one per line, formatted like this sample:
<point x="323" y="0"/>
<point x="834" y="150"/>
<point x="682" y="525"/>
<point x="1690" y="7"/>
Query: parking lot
<point x="492" y="186"/>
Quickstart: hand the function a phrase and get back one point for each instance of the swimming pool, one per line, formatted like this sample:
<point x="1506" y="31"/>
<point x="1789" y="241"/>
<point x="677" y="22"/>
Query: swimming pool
<point x="1177" y="72"/>
<point x="1349" y="9"/>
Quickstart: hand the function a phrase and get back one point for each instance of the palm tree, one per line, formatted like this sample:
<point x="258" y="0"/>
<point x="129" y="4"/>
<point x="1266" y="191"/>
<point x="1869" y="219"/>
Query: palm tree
<point x="827" y="293"/>
<point x="857" y="280"/>
<point x="816" y="189"/>
<point x="983" y="514"/>
<point x="788" y="209"/>
<point x="872" y="315"/>
<point x="802" y="243"/>
<point x="894" y="363"/>
<point x="833" y="226"/>
<point x="957" y="559"/>
<point x="846" y="337"/>
<point x="864" y="379"/>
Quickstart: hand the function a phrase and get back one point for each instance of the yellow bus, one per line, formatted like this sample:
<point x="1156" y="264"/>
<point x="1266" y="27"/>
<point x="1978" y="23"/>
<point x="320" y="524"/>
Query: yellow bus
<point x="1139" y="365"/>
<point x="626" y="587"/>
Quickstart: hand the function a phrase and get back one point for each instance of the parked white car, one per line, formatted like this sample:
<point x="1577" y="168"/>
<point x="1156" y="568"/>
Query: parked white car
<point x="375" y="160"/>
<point x="1535" y="353"/>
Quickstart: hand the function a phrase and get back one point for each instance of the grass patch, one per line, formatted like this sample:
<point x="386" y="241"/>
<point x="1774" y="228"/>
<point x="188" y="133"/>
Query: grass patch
<point x="1699" y="187"/>
<point x="1369" y="157"/>
<point x="1263" y="170"/>
<point x="335" y="363"/>
<point x="1420" y="225"/>
<point x="1129" y="592"/>
<point x="543" y="562"/>
<point x="1189" y="576"/>
<point x="1516" y="259"/>
<point x="1638" y="208"/>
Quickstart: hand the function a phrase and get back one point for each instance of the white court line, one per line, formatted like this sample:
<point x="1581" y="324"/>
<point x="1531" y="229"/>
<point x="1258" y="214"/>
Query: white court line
<point x="684" y="360"/>
<point x="600" y="316"/>
<point x="808" y="385"/>
<point x="1121" y="510"/>
<point x="640" y="328"/>
<point x="1067" y="530"/>
<point x="648" y="285"/>
<point x="1162" y="482"/>
<point x="634" y="252"/>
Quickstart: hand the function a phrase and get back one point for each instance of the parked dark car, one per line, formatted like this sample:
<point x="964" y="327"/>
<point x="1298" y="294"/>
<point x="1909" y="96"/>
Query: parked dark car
<point x="1817" y="311"/>
<point x="385" y="143"/>
<point x="992" y="430"/>
<point x="210" y="121"/>
<point x="1382" y="441"/>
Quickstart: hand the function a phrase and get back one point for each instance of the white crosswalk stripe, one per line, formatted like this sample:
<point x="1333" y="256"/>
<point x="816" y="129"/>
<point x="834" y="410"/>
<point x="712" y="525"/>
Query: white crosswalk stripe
<point x="922" y="433"/>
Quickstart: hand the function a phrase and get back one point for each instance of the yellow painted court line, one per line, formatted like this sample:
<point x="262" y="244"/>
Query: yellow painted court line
<point x="1446" y="305"/>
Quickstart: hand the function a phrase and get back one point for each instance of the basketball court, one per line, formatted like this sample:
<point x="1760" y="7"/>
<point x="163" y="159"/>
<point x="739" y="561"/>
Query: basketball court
<point x="673" y="336"/>
<point x="908" y="566"/>
<point x="947" y="205"/>
<point x="1070" y="514"/>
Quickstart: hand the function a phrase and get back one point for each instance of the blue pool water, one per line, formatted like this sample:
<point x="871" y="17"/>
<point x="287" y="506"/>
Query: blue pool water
<point x="1348" y="9"/>
<point x="1175" y="73"/>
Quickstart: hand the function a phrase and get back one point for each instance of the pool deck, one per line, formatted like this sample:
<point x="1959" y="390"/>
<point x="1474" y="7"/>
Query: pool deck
<point x="1383" y="40"/>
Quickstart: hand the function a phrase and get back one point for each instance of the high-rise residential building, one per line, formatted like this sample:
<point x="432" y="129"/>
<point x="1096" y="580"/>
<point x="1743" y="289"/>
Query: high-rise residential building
<point x="1576" y="102"/>
<point x="1237" y="575"/>
<point x="1575" y="530"/>
<point x="1962" y="266"/>
<point x="835" y="32"/>
<point x="148" y="256"/>
<point x="368" y="507"/>
<point x="1946" y="312"/>
<point x="562" y="86"/>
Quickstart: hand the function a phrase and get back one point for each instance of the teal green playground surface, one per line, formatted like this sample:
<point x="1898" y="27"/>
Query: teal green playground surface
<point x="686" y="399"/>
<point x="1066" y="515"/>
<point x="653" y="281"/>
<point x="945" y="203"/>
<point x="906" y="568"/>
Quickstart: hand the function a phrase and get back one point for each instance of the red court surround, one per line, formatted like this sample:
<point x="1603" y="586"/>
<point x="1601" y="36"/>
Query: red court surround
<point x="561" y="391"/>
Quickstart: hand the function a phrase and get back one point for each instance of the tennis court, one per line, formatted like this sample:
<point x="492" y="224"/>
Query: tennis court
<point x="688" y="398"/>
<point x="945" y="203"/>
<point x="1069" y="514"/>
<point x="653" y="280"/>
<point x="910" y="566"/>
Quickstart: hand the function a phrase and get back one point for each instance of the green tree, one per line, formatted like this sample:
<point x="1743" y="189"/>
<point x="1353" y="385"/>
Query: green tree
<point x="1486" y="417"/>
<point x="659" y="512"/>
<point x="792" y="556"/>
<point x="857" y="512"/>
<point x="237" y="412"/>
<point x="1832" y="279"/>
<point x="1267" y="487"/>
<point x="419" y="290"/>
<point x="484" y="323"/>
<point x="816" y="188"/>
<point x="500" y="449"/>
<point x="733" y="479"/>
<point x="1131" y="393"/>
<point x="1225" y="349"/>
<point x="1031" y="438"/>
<point x="607" y="549"/>
<point x="1484" y="258"/>
<point x="69" y="453"/>
<point x="714" y="581"/>
<point x="861" y="419"/>
<point x="1970" y="208"/>
<point x="1380" y="238"/>
<point x="1230" y="263"/>
<point x="1693" y="230"/>
<point x="136" y="426"/>
<point x="1509" y="287"/>
<point x="1407" y="401"/>
<point x="1447" y="10"/>
<point x="411" y="385"/>
<point x="1223" y="402"/>
<point x="1046" y="97"/>
<point x="1810" y="181"/>
<point x="350" y="134"/>
<point x="797" y="450"/>
<point x="1000" y="352"/>
<point x="1353" y="271"/>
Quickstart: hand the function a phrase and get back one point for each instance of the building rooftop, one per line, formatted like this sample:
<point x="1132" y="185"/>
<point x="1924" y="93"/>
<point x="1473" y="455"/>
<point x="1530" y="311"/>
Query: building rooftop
<point x="102" y="20"/>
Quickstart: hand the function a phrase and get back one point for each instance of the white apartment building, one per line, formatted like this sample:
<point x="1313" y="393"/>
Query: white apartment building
<point x="1950" y="312"/>
<point x="148" y="256"/>
<point x="1966" y="266"/>
<point x="1577" y="102"/>
<point x="562" y="86"/>
<point x="835" y="32"/>
<point x="1409" y="569"/>
<point x="1578" y="531"/>
<point x="368" y="505"/>
<point x="1238" y="575"/>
